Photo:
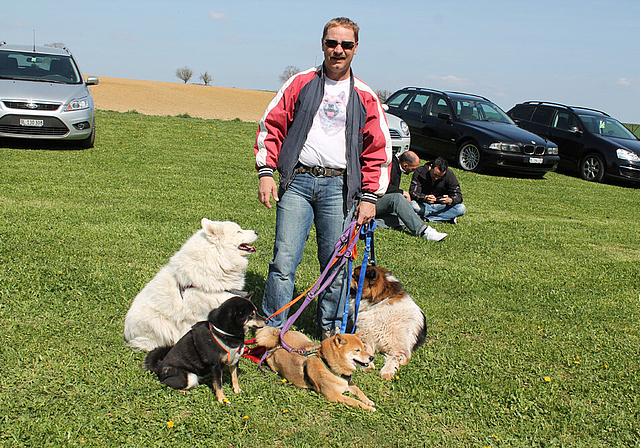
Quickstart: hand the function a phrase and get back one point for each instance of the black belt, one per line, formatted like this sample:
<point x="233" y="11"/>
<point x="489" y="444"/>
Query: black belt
<point x="320" y="171"/>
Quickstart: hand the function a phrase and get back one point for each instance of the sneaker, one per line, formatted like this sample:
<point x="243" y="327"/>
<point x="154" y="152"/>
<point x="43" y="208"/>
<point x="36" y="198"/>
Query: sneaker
<point x="431" y="234"/>
<point x="454" y="220"/>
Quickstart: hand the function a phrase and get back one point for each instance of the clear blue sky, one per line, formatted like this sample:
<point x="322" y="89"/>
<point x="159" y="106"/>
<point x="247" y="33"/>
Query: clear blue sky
<point x="575" y="52"/>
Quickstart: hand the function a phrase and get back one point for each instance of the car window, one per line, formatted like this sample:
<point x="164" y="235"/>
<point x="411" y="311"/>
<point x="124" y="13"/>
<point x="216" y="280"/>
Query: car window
<point x="480" y="110"/>
<point x="438" y="105"/>
<point x="417" y="103"/>
<point x="606" y="126"/>
<point x="466" y="110"/>
<point x="522" y="112"/>
<point x="565" y="121"/>
<point x="397" y="99"/>
<point x="491" y="112"/>
<point x="543" y="115"/>
<point x="39" y="67"/>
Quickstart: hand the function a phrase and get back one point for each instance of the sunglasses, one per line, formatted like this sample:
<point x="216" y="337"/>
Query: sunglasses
<point x="345" y="44"/>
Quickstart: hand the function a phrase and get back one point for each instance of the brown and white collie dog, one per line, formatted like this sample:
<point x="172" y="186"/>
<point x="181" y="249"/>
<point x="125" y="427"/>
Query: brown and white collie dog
<point x="388" y="319"/>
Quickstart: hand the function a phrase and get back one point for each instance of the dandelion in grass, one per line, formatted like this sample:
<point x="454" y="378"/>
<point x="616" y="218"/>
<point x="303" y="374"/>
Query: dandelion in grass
<point x="547" y="379"/>
<point x="284" y="380"/>
<point x="226" y="400"/>
<point x="170" y="424"/>
<point x="284" y="411"/>
<point x="245" y="417"/>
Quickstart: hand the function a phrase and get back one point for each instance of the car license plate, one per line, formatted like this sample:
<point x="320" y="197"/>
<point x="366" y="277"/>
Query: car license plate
<point x="31" y="122"/>
<point x="536" y="160"/>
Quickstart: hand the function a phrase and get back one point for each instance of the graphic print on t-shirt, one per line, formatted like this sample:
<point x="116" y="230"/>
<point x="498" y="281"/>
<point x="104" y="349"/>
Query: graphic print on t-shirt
<point x="333" y="113"/>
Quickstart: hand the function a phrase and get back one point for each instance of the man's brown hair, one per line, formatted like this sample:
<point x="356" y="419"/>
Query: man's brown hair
<point x="344" y="22"/>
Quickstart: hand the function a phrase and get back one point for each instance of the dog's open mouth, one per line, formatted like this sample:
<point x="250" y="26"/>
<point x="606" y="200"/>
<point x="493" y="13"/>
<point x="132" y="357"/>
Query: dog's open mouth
<point x="360" y="363"/>
<point x="247" y="248"/>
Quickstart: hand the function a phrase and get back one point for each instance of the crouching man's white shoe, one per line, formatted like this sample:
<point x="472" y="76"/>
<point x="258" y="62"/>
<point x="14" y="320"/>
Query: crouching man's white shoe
<point x="431" y="234"/>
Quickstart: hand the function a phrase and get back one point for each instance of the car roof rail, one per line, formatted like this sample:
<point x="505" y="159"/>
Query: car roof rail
<point x="468" y="94"/>
<point x="543" y="103"/>
<point x="422" y="88"/>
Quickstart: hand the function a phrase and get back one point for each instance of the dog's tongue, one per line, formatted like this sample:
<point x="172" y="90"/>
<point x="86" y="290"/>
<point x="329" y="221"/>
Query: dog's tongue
<point x="247" y="247"/>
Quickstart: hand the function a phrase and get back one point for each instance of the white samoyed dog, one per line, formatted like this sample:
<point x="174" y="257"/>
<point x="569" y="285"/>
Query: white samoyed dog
<point x="207" y="270"/>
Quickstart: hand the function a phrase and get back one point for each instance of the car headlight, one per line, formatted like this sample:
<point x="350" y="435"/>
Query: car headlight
<point x="405" y="128"/>
<point x="77" y="104"/>
<point x="509" y="147"/>
<point x="552" y="150"/>
<point x="625" y="154"/>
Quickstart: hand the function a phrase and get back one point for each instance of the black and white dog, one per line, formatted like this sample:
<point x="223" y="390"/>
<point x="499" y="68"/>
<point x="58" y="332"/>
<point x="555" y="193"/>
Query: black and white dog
<point x="207" y="348"/>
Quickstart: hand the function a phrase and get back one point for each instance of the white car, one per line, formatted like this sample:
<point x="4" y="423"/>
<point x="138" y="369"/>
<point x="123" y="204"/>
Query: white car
<point x="400" y="135"/>
<point x="44" y="96"/>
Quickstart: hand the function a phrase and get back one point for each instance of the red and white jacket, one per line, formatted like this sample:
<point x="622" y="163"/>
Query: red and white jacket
<point x="288" y="119"/>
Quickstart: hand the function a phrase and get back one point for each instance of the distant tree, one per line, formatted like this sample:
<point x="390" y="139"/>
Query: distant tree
<point x="383" y="95"/>
<point x="289" y="71"/>
<point x="205" y="78"/>
<point x="56" y="45"/>
<point x="184" y="73"/>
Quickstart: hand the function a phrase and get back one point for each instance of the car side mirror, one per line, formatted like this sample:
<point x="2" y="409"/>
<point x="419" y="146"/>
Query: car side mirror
<point x="92" y="81"/>
<point x="576" y="130"/>
<point x="444" y="116"/>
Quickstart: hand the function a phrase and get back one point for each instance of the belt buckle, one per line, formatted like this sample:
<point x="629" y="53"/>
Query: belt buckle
<point x="318" y="171"/>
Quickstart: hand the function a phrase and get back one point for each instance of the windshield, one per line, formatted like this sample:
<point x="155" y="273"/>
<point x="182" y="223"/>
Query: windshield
<point x="607" y="126"/>
<point x="478" y="110"/>
<point x="38" y="67"/>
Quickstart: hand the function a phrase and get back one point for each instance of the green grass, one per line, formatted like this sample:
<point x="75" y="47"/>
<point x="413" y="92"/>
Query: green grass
<point x="532" y="304"/>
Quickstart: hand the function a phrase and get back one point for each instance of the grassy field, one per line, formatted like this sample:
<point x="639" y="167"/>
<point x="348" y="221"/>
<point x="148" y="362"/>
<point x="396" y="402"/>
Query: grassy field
<point x="532" y="304"/>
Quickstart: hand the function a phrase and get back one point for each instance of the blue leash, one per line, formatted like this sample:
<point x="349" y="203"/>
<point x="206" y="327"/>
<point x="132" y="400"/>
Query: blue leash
<point x="366" y="233"/>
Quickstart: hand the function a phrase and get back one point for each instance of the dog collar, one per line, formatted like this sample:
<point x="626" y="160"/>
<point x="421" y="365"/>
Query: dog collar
<point x="183" y="288"/>
<point x="219" y="330"/>
<point x="239" y="349"/>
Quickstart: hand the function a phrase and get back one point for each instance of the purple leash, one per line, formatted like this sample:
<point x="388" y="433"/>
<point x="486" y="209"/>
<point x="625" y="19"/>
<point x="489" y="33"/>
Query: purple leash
<point x="322" y="282"/>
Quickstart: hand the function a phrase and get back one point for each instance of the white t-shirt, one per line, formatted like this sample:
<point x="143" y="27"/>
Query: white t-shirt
<point x="326" y="142"/>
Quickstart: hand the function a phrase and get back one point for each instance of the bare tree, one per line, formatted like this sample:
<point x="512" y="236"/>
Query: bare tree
<point x="184" y="73"/>
<point x="289" y="71"/>
<point x="56" y="45"/>
<point x="383" y="95"/>
<point x="205" y="78"/>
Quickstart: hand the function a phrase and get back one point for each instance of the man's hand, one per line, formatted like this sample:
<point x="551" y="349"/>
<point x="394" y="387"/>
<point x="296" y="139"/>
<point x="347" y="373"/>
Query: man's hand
<point x="365" y="212"/>
<point x="446" y="200"/>
<point x="430" y="199"/>
<point x="266" y="189"/>
<point x="406" y="195"/>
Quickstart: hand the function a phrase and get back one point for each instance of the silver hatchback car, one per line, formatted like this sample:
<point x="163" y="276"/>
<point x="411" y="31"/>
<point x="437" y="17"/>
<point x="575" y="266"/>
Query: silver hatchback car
<point x="43" y="95"/>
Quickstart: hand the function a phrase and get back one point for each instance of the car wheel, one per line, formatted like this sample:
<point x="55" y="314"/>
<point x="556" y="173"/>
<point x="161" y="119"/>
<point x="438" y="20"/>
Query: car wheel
<point x="469" y="157"/>
<point x="592" y="168"/>
<point x="89" y="141"/>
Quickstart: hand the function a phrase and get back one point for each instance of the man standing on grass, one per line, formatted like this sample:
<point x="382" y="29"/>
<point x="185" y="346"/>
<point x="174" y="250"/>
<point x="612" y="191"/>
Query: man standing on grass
<point x="326" y="135"/>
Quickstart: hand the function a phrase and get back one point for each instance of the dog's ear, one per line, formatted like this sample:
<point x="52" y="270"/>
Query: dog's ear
<point x="340" y="340"/>
<point x="211" y="229"/>
<point x="371" y="273"/>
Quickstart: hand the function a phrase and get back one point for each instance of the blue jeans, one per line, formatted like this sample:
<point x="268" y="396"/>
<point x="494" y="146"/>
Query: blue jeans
<point x="308" y="200"/>
<point x="394" y="206"/>
<point x="438" y="212"/>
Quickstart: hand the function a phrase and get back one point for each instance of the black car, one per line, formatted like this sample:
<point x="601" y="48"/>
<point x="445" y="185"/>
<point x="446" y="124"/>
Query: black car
<point x="590" y="141"/>
<point x="470" y="130"/>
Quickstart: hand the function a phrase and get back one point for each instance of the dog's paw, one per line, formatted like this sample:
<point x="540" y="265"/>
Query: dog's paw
<point x="370" y="367"/>
<point x="387" y="375"/>
<point x="237" y="390"/>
